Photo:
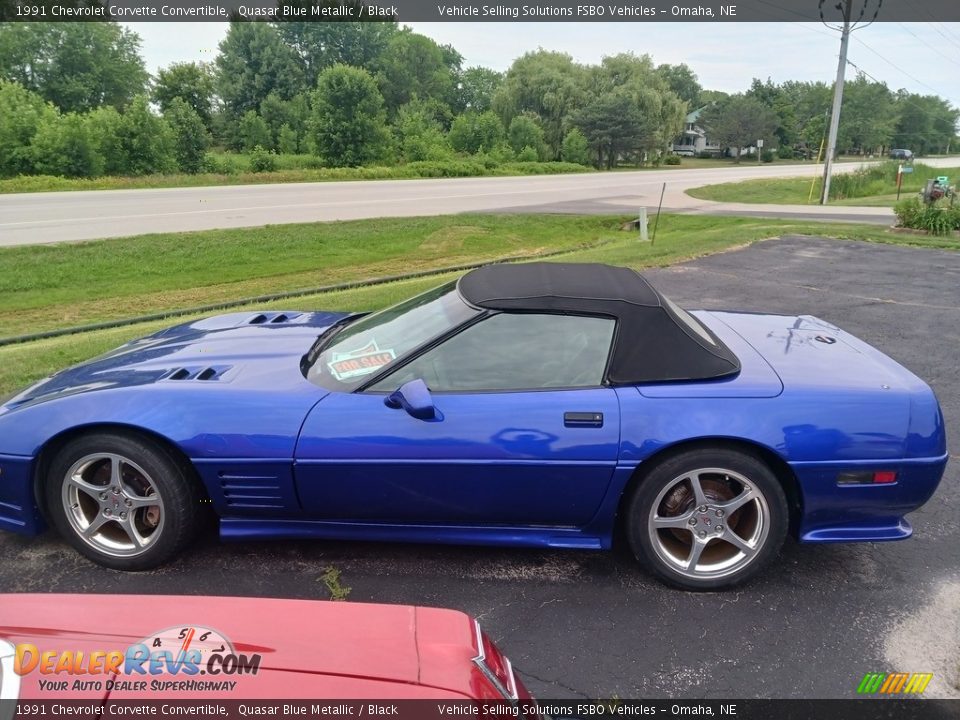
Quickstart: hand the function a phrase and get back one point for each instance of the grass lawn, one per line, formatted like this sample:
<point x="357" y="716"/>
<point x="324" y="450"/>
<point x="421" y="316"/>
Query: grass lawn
<point x="47" y="287"/>
<point x="877" y="192"/>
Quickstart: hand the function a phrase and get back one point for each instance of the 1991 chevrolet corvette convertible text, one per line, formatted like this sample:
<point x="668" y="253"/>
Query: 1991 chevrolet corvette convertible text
<point x="541" y="404"/>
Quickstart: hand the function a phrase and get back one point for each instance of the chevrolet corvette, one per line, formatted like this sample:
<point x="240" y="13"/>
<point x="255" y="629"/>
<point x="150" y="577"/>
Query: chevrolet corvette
<point x="540" y="405"/>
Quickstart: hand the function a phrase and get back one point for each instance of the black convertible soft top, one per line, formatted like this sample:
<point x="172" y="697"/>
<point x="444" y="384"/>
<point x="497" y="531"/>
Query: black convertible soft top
<point x="655" y="341"/>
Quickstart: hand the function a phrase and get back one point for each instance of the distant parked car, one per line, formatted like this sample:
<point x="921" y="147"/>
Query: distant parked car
<point x="132" y="647"/>
<point x="901" y="154"/>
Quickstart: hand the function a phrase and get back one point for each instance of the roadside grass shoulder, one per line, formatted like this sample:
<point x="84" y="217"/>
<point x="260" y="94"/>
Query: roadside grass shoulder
<point x="237" y="172"/>
<point x="874" y="187"/>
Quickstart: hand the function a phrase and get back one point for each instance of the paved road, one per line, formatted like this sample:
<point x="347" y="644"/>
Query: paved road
<point x="33" y="218"/>
<point x="581" y="624"/>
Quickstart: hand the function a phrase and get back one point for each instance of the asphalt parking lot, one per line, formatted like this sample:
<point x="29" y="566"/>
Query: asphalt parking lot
<point x="580" y="624"/>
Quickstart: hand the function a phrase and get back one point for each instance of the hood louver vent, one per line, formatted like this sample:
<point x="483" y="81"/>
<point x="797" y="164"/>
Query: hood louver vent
<point x="200" y="374"/>
<point x="272" y="318"/>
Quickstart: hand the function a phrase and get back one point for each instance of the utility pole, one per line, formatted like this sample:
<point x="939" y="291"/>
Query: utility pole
<point x="846" y="7"/>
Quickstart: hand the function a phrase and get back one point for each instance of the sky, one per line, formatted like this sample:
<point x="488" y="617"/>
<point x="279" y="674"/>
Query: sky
<point x="920" y="57"/>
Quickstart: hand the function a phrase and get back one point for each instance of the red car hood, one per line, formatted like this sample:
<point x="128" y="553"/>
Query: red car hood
<point x="307" y="648"/>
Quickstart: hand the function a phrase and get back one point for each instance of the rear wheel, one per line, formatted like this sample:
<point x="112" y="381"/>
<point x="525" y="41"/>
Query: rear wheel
<point x="707" y="519"/>
<point x="122" y="500"/>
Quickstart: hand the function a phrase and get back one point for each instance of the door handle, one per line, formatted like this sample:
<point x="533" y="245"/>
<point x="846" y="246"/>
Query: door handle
<point x="583" y="419"/>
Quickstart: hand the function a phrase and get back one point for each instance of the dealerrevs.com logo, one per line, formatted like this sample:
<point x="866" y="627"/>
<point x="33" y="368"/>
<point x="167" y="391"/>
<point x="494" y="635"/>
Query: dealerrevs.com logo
<point x="189" y="658"/>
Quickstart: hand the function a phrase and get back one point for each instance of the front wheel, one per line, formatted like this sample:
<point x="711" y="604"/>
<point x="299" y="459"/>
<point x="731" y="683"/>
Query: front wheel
<point x="707" y="519"/>
<point x="122" y="500"/>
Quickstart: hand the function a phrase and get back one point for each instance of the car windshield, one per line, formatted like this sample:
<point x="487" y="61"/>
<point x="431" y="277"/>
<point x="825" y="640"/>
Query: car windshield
<point x="374" y="342"/>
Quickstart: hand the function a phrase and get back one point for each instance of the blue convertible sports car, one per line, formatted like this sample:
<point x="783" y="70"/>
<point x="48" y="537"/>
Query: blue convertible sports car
<point x="541" y="404"/>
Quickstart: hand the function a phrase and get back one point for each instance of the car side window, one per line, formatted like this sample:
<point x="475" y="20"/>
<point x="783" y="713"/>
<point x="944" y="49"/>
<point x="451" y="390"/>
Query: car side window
<point x="514" y="351"/>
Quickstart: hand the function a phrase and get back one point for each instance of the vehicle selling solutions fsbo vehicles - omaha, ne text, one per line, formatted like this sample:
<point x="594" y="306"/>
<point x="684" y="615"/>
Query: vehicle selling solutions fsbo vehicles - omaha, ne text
<point x="540" y="404"/>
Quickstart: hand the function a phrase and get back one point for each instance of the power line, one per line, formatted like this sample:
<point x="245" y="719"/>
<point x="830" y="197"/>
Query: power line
<point x="931" y="47"/>
<point x="896" y="67"/>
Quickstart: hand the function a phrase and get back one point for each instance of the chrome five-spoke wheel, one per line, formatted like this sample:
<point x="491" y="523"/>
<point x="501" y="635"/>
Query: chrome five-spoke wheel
<point x="112" y="503"/>
<point x="708" y="523"/>
<point x="126" y="501"/>
<point x="707" y="519"/>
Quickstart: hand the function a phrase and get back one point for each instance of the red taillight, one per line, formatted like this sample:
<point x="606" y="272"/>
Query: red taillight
<point x="885" y="476"/>
<point x="499" y="665"/>
<point x="495" y="666"/>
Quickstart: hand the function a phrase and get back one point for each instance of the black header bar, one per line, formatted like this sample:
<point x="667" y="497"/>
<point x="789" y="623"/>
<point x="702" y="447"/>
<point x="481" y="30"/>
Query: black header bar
<point x="887" y="708"/>
<point x="638" y="11"/>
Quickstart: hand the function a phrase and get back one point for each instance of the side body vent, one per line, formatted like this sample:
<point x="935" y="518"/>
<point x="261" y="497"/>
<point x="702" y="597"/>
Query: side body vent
<point x="241" y="488"/>
<point x="251" y="491"/>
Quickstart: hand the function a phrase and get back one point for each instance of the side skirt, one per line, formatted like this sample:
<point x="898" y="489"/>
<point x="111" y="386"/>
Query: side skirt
<point x="550" y="537"/>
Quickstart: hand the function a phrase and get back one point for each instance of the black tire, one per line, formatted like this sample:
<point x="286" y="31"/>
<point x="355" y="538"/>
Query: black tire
<point x="665" y="496"/>
<point x="147" y="471"/>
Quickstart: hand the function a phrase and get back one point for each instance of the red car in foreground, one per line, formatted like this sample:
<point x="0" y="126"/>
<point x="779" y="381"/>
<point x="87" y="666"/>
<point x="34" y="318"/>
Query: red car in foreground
<point x="107" y="648"/>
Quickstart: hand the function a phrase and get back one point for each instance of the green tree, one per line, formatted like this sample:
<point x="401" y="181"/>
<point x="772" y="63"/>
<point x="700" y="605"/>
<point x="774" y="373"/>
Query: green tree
<point x="287" y="140"/>
<point x="194" y="83"/>
<point x="473" y="131"/>
<point x="739" y="122"/>
<point x="77" y="66"/>
<point x="868" y="118"/>
<point x="146" y="142"/>
<point x="254" y="132"/>
<point x="65" y="146"/>
<point x="475" y="89"/>
<point x="319" y="45"/>
<point x="419" y="134"/>
<point x="655" y="113"/>
<point x="682" y="81"/>
<point x="349" y="120"/>
<point x="293" y="114"/>
<point x="107" y="128"/>
<point x="549" y="85"/>
<point x="22" y="113"/>
<point x="525" y="132"/>
<point x="412" y="66"/>
<point x="254" y="62"/>
<point x="612" y="124"/>
<point x="575" y="148"/>
<point x="925" y="123"/>
<point x="191" y="139"/>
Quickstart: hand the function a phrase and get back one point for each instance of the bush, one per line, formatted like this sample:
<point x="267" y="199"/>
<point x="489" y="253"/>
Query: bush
<point x="935" y="218"/>
<point x="528" y="154"/>
<point x="471" y="132"/>
<point x="907" y="212"/>
<point x="785" y="152"/>
<point x="66" y="146"/>
<point x="190" y="133"/>
<point x="575" y="148"/>
<point x="145" y="141"/>
<point x="349" y="122"/>
<point x="23" y="113"/>
<point x="767" y="156"/>
<point x="254" y="132"/>
<point x="262" y="160"/>
<point x="524" y="132"/>
<point x="671" y="160"/>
